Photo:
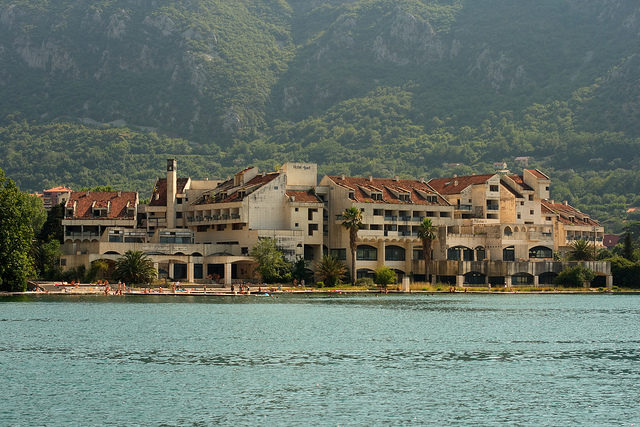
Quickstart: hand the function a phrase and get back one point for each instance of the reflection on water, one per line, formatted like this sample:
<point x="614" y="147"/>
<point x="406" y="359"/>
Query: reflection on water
<point x="306" y="360"/>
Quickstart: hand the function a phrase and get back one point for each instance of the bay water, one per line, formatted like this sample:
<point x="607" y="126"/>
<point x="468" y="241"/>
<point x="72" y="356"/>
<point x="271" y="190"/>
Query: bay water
<point x="453" y="359"/>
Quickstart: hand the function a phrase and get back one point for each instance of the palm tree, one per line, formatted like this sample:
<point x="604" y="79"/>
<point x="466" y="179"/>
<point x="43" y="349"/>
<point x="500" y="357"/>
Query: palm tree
<point x="330" y="270"/>
<point x="427" y="234"/>
<point x="581" y="250"/>
<point x="352" y="221"/>
<point x="135" y="267"/>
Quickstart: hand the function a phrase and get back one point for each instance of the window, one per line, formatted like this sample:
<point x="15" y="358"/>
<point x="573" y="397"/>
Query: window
<point x="418" y="254"/>
<point x="519" y="216"/>
<point x="509" y="254"/>
<point x="352" y="195"/>
<point x="221" y="227"/>
<point x="366" y="253"/>
<point x="244" y="251"/>
<point x="394" y="253"/>
<point x="548" y="218"/>
<point x="296" y="209"/>
<point x="530" y="197"/>
<point x="378" y="212"/>
<point x="540" y="252"/>
<point x="531" y="212"/>
<point x="179" y="200"/>
<point x="493" y="188"/>
<point x="202" y="228"/>
<point x="340" y="254"/>
<point x="178" y="214"/>
<point x="297" y="225"/>
<point x="237" y="226"/>
<point x="312" y="228"/>
<point x="310" y="214"/>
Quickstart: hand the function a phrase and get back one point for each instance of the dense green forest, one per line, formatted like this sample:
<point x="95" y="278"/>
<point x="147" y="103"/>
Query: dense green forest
<point x="102" y="92"/>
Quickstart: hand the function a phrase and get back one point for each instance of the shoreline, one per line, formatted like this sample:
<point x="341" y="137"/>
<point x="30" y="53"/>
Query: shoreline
<point x="99" y="290"/>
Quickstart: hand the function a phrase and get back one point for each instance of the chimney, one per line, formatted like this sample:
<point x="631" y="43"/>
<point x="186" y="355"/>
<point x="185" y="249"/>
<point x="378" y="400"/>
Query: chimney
<point x="264" y="173"/>
<point x="87" y="195"/>
<point x="119" y="193"/>
<point x="342" y="177"/>
<point x="396" y="178"/>
<point x="455" y="183"/>
<point x="566" y="203"/>
<point x="370" y="178"/>
<point x="422" y="180"/>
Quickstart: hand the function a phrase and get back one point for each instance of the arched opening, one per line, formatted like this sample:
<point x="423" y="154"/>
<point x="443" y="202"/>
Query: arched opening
<point x="399" y="275"/>
<point x="394" y="253"/>
<point x="540" y="252"/>
<point x="366" y="253"/>
<point x="196" y="254"/>
<point x="112" y="253"/>
<point x="460" y="253"/>
<point x="179" y="253"/>
<point x="508" y="231"/>
<point x="522" y="279"/>
<point x="481" y="253"/>
<point x="547" y="278"/>
<point x="474" y="278"/>
<point x="509" y="253"/>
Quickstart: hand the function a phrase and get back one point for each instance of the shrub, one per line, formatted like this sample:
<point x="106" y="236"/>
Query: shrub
<point x="575" y="276"/>
<point x="320" y="284"/>
<point x="365" y="281"/>
<point x="385" y="276"/>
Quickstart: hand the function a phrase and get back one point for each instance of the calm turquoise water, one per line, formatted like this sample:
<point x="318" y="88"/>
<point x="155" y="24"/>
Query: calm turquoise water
<point x="317" y="360"/>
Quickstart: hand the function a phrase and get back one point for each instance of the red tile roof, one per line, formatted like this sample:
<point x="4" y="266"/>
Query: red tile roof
<point x="116" y="202"/>
<point x="303" y="196"/>
<point x="159" y="195"/>
<point x="537" y="173"/>
<point x="388" y="187"/>
<point x="455" y="185"/>
<point x="518" y="179"/>
<point x="227" y="192"/>
<point x="57" y="190"/>
<point x="569" y="215"/>
<point x="610" y="240"/>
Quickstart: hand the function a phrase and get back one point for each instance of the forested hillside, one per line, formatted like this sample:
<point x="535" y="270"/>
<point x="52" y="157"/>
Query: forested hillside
<point x="101" y="92"/>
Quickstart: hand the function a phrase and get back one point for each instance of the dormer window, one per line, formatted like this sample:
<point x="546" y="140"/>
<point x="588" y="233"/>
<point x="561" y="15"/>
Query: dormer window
<point x="376" y="196"/>
<point x="352" y="195"/>
<point x="405" y="197"/>
<point x="242" y="194"/>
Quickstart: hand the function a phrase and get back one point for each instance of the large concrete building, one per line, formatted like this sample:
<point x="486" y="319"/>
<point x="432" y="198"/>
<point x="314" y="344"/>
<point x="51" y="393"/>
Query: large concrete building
<point x="497" y="228"/>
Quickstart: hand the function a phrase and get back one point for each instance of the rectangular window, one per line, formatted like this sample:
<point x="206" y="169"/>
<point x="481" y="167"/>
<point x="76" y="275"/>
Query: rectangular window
<point x="531" y="212"/>
<point x="310" y="214"/>
<point x="312" y="228"/>
<point x="178" y="214"/>
<point x="221" y="227"/>
<point x="530" y="197"/>
<point x="179" y="200"/>
<point x="237" y="226"/>
<point x="340" y="254"/>
<point x="493" y="188"/>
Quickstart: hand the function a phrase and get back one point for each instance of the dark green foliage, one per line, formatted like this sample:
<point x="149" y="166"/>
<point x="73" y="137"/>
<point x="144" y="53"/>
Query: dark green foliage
<point x="52" y="228"/>
<point x="575" y="276"/>
<point x="272" y="265"/>
<point x="581" y="250"/>
<point x="134" y="267"/>
<point x="47" y="259"/>
<point x="299" y="271"/>
<point x="16" y="236"/>
<point x="625" y="273"/>
<point x="330" y="270"/>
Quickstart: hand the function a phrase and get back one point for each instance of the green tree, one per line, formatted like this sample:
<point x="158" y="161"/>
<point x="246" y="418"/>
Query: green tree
<point x="575" y="276"/>
<point x="385" y="276"/>
<point x="134" y="267"/>
<point x="52" y="228"/>
<point x="47" y="259"/>
<point x="16" y="236"/>
<point x="37" y="213"/>
<point x="99" y="269"/>
<point x="299" y="271"/>
<point x="272" y="265"/>
<point x="627" y="247"/>
<point x="330" y="270"/>
<point x="352" y="221"/>
<point x="427" y="234"/>
<point x="581" y="250"/>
